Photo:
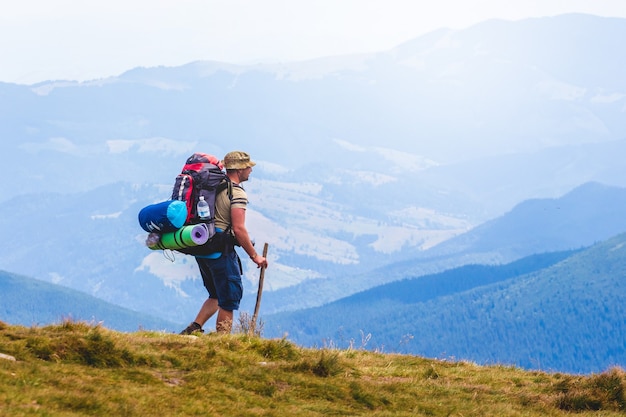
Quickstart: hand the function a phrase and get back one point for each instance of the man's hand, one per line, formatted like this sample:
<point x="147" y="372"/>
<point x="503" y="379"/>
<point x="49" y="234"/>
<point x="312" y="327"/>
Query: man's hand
<point x="259" y="260"/>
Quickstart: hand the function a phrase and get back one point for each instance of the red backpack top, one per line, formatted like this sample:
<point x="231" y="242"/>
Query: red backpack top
<point x="202" y="175"/>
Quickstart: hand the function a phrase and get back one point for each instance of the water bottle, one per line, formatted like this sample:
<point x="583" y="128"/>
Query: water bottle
<point x="203" y="208"/>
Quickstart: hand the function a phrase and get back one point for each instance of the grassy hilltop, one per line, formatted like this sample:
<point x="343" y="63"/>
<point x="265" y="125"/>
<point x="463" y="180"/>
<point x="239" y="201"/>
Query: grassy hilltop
<point x="77" y="369"/>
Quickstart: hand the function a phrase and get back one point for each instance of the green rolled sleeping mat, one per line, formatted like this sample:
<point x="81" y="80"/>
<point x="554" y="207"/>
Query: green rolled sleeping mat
<point x="185" y="237"/>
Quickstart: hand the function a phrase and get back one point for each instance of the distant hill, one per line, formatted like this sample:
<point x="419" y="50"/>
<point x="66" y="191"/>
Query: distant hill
<point x="30" y="302"/>
<point x="566" y="316"/>
<point x="588" y="214"/>
<point x="453" y="281"/>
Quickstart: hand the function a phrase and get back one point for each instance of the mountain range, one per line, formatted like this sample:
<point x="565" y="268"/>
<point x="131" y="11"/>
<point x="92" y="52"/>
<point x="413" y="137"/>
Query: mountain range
<point x="556" y="311"/>
<point x="476" y="146"/>
<point x="588" y="214"/>
<point x="478" y="119"/>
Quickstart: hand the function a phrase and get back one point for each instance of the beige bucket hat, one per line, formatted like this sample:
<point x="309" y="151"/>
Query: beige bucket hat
<point x="237" y="160"/>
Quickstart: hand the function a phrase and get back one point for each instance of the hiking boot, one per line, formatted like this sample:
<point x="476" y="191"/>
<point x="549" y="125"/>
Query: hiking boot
<point x="192" y="328"/>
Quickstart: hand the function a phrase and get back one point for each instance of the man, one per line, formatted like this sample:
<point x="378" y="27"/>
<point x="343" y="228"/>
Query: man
<point x="221" y="272"/>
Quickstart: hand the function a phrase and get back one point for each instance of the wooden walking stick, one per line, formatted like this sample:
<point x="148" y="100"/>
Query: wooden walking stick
<point x="258" y="294"/>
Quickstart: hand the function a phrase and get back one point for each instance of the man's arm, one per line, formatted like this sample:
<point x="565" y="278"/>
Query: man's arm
<point x="238" y="219"/>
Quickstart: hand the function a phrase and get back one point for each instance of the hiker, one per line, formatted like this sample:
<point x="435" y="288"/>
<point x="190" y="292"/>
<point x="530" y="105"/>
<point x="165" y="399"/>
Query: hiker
<point x="221" y="271"/>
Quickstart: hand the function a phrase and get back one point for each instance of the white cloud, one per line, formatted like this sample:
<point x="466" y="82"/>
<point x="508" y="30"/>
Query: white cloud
<point x="350" y="146"/>
<point x="106" y="216"/>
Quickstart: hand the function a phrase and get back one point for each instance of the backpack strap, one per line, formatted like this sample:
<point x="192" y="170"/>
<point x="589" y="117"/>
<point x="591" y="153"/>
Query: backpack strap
<point x="226" y="185"/>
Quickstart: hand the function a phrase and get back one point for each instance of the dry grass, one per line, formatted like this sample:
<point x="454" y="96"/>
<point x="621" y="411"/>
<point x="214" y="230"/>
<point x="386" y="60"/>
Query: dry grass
<point x="76" y="369"/>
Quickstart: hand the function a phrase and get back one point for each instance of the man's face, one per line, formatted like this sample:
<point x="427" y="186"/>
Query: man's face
<point x="244" y="174"/>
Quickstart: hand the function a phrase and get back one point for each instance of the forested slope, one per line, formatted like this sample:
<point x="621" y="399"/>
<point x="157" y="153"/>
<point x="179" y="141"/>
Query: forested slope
<point x="568" y="316"/>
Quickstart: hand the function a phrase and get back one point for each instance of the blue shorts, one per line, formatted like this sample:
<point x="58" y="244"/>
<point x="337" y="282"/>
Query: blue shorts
<point x="222" y="279"/>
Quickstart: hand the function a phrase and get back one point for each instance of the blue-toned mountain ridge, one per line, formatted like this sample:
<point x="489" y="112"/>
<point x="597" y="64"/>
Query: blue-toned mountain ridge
<point x="556" y="312"/>
<point x="588" y="214"/>
<point x="30" y="302"/>
<point x="363" y="161"/>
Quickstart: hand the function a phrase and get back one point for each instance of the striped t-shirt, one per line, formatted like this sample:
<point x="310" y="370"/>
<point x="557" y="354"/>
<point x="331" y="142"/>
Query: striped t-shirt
<point x="223" y="206"/>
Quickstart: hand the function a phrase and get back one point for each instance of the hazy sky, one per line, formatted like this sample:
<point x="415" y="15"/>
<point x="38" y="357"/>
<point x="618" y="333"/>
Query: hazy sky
<point x="88" y="39"/>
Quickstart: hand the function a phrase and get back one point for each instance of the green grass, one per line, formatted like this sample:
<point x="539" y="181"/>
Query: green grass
<point x="77" y="369"/>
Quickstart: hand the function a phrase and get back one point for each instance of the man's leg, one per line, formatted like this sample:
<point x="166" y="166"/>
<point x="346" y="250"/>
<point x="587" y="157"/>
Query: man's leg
<point x="206" y="311"/>
<point x="209" y="307"/>
<point x="227" y="273"/>
<point x="224" y="321"/>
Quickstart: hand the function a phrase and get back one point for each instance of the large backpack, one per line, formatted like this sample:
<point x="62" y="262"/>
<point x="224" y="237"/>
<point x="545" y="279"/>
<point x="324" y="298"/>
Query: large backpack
<point x="202" y="175"/>
<point x="177" y="226"/>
